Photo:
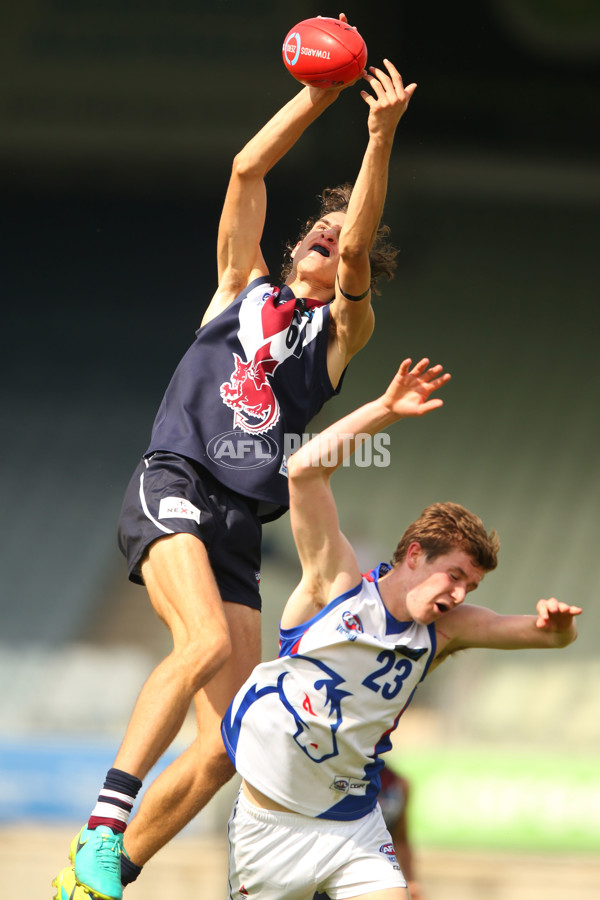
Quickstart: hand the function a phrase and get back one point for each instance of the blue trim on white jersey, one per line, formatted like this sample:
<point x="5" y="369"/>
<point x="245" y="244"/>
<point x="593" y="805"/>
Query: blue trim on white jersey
<point x="393" y="625"/>
<point x="288" y="637"/>
<point x="332" y="713"/>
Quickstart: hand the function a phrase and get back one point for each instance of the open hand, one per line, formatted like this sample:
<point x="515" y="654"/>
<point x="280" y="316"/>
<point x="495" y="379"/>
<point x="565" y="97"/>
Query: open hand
<point x="410" y="391"/>
<point x="391" y="98"/>
<point x="555" y="616"/>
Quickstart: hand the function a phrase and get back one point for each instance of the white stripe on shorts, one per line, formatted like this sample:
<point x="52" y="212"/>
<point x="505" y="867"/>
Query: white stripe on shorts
<point x="147" y="511"/>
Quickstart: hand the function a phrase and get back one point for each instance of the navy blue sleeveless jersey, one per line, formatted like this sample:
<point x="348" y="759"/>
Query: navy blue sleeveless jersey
<point x="243" y="394"/>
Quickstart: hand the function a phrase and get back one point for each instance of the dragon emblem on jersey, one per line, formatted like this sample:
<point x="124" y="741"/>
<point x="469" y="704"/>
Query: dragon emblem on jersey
<point x="250" y="395"/>
<point x="267" y="340"/>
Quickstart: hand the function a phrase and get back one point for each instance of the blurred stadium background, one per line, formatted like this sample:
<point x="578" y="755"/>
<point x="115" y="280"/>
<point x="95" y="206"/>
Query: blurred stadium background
<point x="119" y="122"/>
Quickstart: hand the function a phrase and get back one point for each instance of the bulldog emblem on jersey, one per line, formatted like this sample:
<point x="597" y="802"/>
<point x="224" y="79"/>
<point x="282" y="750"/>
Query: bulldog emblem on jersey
<point x="250" y="395"/>
<point x="350" y="626"/>
<point x="317" y="714"/>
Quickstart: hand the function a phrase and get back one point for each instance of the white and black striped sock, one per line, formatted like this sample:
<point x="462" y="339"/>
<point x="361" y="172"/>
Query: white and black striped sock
<point x="115" y="801"/>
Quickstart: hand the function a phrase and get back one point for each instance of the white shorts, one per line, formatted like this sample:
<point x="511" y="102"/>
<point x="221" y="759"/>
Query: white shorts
<point x="275" y="855"/>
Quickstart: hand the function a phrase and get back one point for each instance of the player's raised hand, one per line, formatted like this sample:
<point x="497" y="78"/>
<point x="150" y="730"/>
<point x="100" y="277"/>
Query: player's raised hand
<point x="409" y="394"/>
<point x="334" y="88"/>
<point x="390" y="99"/>
<point x="556" y="616"/>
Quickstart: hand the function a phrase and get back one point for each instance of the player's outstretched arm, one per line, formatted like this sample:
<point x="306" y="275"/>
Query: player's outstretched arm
<point x="408" y="395"/>
<point x="466" y="626"/>
<point x="328" y="563"/>
<point x="239" y="257"/>
<point x="387" y="101"/>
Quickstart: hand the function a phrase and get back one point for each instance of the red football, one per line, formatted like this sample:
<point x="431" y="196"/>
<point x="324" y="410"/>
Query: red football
<point x="324" y="52"/>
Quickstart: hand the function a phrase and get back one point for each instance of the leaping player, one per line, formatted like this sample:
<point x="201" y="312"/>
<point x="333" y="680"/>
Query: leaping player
<point x="191" y="521"/>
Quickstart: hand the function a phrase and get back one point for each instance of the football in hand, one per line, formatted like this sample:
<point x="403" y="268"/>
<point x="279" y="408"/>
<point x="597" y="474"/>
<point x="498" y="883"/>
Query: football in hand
<point x="324" y="52"/>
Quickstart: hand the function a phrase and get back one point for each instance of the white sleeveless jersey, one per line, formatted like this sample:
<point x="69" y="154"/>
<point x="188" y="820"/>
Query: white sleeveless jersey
<point x="307" y="728"/>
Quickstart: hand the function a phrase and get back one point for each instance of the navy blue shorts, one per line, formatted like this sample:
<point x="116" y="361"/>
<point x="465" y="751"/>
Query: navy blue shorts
<point x="170" y="494"/>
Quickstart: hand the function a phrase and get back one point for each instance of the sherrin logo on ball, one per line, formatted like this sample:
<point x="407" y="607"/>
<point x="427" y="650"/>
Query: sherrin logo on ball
<point x="324" y="52"/>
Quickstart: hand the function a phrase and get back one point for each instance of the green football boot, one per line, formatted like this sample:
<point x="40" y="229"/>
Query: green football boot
<point x="96" y="857"/>
<point x="66" y="886"/>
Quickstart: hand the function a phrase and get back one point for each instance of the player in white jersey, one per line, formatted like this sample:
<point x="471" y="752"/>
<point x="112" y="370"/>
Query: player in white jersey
<point x="351" y="655"/>
<point x="306" y="730"/>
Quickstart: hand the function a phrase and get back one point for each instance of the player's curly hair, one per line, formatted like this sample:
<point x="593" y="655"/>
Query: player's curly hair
<point x="443" y="527"/>
<point x="383" y="253"/>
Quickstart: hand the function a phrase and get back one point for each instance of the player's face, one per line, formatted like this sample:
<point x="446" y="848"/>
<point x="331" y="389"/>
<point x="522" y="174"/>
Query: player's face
<point x="440" y="585"/>
<point x="317" y="255"/>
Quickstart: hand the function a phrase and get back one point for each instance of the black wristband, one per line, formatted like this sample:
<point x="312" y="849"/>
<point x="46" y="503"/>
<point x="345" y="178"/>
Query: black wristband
<point x="353" y="297"/>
